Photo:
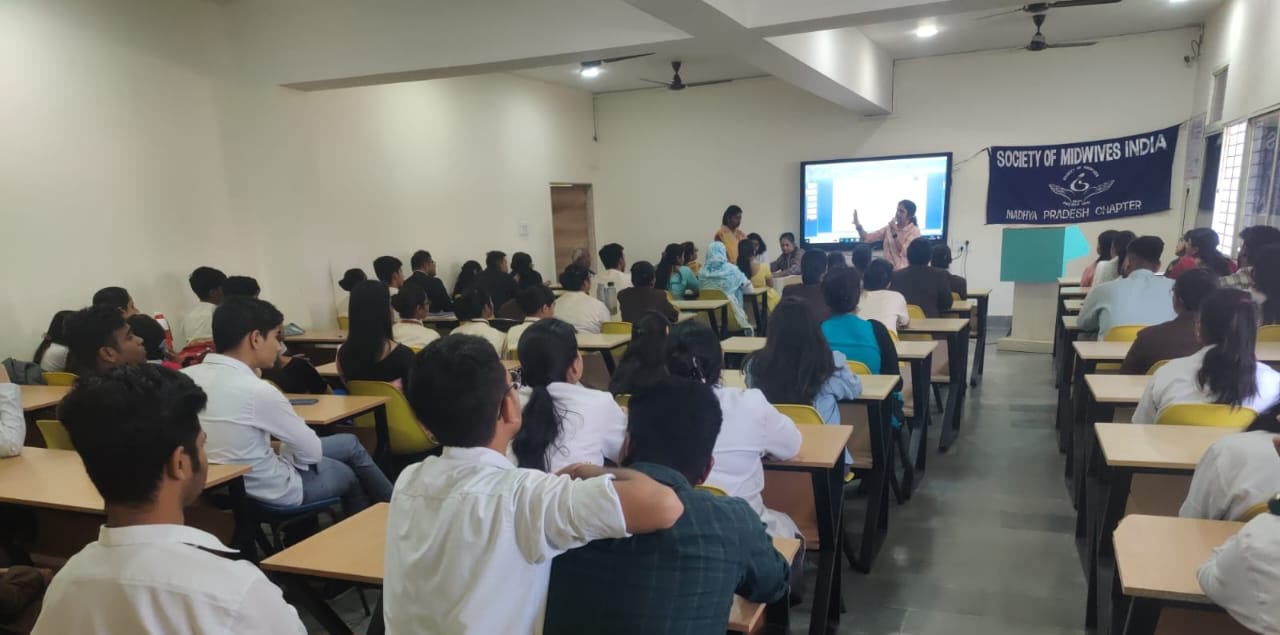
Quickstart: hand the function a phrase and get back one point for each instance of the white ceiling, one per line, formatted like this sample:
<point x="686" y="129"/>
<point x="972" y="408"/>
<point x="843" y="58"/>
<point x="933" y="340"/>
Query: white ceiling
<point x="961" y="32"/>
<point x="625" y="75"/>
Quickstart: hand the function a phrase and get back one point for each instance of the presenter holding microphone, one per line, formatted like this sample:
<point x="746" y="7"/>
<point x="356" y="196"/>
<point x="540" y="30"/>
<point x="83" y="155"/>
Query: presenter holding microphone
<point x="896" y="235"/>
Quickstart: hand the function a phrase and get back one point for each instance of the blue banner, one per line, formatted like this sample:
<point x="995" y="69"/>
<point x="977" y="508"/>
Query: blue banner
<point x="1081" y="182"/>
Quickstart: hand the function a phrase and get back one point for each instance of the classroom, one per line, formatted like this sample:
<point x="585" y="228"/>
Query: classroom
<point x="417" y="316"/>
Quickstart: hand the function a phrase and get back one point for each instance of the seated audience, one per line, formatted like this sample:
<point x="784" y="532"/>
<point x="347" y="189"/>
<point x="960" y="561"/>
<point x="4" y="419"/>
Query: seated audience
<point x="835" y="260"/>
<point x="581" y="257"/>
<point x="1113" y="268"/>
<point x="468" y="527"/>
<point x="879" y="301"/>
<point x="1241" y="577"/>
<point x="1202" y="251"/>
<point x="615" y="267"/>
<point x="1237" y="472"/>
<point x="1225" y="371"/>
<point x="411" y="305"/>
<point x="757" y="273"/>
<point x="1182" y="261"/>
<point x="753" y="429"/>
<point x="681" y="580"/>
<point x="244" y="413"/>
<point x="51" y="354"/>
<point x="1104" y="252"/>
<point x="643" y="363"/>
<point x="371" y="352"/>
<point x="797" y="366"/>
<point x="99" y="338"/>
<point x="861" y="257"/>
<point x="537" y="303"/>
<point x="139" y="436"/>
<point x="424" y="276"/>
<point x="788" y="262"/>
<point x="1252" y="241"/>
<point x="153" y="341"/>
<point x="1266" y="283"/>
<point x="926" y="287"/>
<point x="1177" y="337"/>
<point x="673" y="276"/>
<point x="691" y="256"/>
<point x="760" y="248"/>
<point x="13" y="423"/>
<point x="641" y="297"/>
<point x="941" y="259"/>
<point x="575" y="305"/>
<point x="197" y="325"/>
<point x="523" y="272"/>
<point x="718" y="273"/>
<point x="466" y="277"/>
<point x="563" y="422"/>
<point x="865" y="341"/>
<point x="389" y="270"/>
<point x="474" y="310"/>
<point x="1141" y="297"/>
<point x="496" y="280"/>
<point x="349" y="280"/>
<point x="22" y="588"/>
<point x="813" y="266"/>
<point x="117" y="298"/>
<point x="241" y="286"/>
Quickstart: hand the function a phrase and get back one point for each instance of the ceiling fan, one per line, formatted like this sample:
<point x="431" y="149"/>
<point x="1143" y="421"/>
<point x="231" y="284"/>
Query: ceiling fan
<point x="1041" y="7"/>
<point x="678" y="84"/>
<point x="1038" y="42"/>
<point x="591" y="68"/>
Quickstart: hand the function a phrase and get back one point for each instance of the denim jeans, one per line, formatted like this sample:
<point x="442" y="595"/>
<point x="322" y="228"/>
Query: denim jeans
<point x="346" y="471"/>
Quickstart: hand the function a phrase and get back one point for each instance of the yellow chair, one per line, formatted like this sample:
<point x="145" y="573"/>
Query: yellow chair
<point x="1252" y="512"/>
<point x="1206" y="414"/>
<point x="955" y="297"/>
<point x="622" y="400"/>
<point x="615" y="327"/>
<point x="801" y="414"/>
<point x="55" y="434"/>
<point x="344" y="322"/>
<point x="1119" y="333"/>
<point x="1269" y="333"/>
<point x="716" y="294"/>
<point x="60" y="379"/>
<point x="1156" y="366"/>
<point x="711" y="488"/>
<point x="858" y="368"/>
<point x="914" y="312"/>
<point x="406" y="434"/>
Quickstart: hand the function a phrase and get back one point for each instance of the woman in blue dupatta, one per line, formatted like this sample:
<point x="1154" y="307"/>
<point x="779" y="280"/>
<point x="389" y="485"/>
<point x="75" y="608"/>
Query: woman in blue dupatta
<point x="718" y="273"/>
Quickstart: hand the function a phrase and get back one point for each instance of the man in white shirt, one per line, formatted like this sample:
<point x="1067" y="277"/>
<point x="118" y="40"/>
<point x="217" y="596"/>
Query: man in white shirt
<point x="1141" y="297"/>
<point x="536" y="302"/>
<point x="13" y="424"/>
<point x="138" y="434"/>
<point x="474" y="310"/>
<point x="615" y="270"/>
<point x="197" y="324"/>
<point x="1236" y="473"/>
<point x="879" y="301"/>
<point x="244" y="413"/>
<point x="584" y="312"/>
<point x="470" y="537"/>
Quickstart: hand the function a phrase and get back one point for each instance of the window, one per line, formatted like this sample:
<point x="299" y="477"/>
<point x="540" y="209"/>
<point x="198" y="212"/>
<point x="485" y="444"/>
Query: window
<point x="1262" y="187"/>
<point x="1226" y="200"/>
<point x="1219" y="95"/>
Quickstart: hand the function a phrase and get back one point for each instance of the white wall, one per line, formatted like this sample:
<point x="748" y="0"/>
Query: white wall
<point x="1242" y="33"/>
<point x="671" y="162"/>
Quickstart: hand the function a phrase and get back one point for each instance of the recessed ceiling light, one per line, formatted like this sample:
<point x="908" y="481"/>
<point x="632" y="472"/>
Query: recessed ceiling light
<point x="589" y="70"/>
<point x="927" y="30"/>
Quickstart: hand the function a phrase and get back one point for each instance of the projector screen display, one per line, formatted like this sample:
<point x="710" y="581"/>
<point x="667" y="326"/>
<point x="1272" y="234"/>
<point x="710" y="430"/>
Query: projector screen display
<point x="832" y="190"/>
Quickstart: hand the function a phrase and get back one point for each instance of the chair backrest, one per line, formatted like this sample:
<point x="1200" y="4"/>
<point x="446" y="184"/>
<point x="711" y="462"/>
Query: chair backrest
<point x="407" y="435"/>
<point x="915" y="312"/>
<point x="1156" y="366"/>
<point x="1269" y="333"/>
<point x="55" y="434"/>
<point x="711" y="488"/>
<point x="893" y="335"/>
<point x="613" y="327"/>
<point x="1252" y="512"/>
<point x="955" y="297"/>
<point x="858" y="368"/>
<point x="59" y="378"/>
<point x="716" y="294"/>
<point x="1206" y="414"/>
<point x="1123" y="333"/>
<point x="622" y="400"/>
<point x="801" y="414"/>
<point x="344" y="322"/>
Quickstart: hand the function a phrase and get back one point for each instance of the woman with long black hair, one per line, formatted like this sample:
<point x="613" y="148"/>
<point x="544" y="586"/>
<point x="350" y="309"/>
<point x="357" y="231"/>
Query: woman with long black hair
<point x="564" y="422"/>
<point x="643" y="363"/>
<point x="522" y="270"/>
<point x="672" y="274"/>
<point x="797" y="365"/>
<point x="51" y="354"/>
<point x="1225" y="371"/>
<point x="466" y="277"/>
<point x="371" y="352"/>
<point x="1202" y="251"/>
<point x="1104" y="253"/>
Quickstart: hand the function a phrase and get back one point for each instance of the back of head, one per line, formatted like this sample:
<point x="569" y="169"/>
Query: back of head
<point x="1228" y="322"/>
<point x="385" y="268"/>
<point x="941" y="256"/>
<point x="521" y="262"/>
<point x="456" y="389"/>
<point x="693" y="352"/>
<point x="877" y="275"/>
<point x="919" y="252"/>
<point x="114" y="297"/>
<point x="643" y="274"/>
<point x="152" y="334"/>
<point x="644" y="359"/>
<point x="126" y="424"/>
<point x="1104" y="244"/>
<point x="760" y="245"/>
<point x="239" y="316"/>
<point x="841" y="289"/>
<point x="350" y="278"/>
<point x="493" y="259"/>
<point x="548" y="350"/>
<point x="796" y="359"/>
<point x="671" y="254"/>
<point x="813" y="265"/>
<point x="471" y="304"/>
<point x="674" y="422"/>
<point x="368" y="330"/>
<point x="1254" y="239"/>
<point x="241" y="286"/>
<point x="409" y="300"/>
<point x="1192" y="287"/>
<point x="1266" y="279"/>
<point x="205" y="282"/>
<point x="419" y="259"/>
<point x="690" y="251"/>
<point x="88" y="330"/>
<point x="574" y="277"/>
<point x="532" y="299"/>
<point x="52" y="335"/>
<point x="835" y="260"/>
<point x="861" y="256"/>
<point x="746" y="253"/>
<point x="1120" y="244"/>
<point x="1205" y="242"/>
<point x="611" y="255"/>
<point x="1144" y="253"/>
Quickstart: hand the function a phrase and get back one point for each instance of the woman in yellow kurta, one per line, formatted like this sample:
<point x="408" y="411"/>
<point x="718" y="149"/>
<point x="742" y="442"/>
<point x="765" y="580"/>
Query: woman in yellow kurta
<point x="758" y="274"/>
<point x="729" y="233"/>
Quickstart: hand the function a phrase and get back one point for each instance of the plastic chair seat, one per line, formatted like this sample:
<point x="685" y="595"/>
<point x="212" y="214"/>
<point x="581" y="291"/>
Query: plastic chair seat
<point x="55" y="434"/>
<point x="1269" y="333"/>
<point x="1206" y="414"/>
<point x="57" y="378"/>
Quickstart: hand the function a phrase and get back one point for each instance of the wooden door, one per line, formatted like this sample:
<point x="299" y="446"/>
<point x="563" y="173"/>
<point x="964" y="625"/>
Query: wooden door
<point x="571" y="223"/>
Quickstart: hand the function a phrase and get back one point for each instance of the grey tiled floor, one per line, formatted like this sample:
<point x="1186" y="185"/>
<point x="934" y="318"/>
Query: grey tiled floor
<point x="985" y="545"/>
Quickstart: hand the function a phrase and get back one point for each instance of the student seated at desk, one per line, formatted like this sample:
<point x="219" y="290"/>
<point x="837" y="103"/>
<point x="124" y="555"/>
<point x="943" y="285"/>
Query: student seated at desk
<point x="1252" y="241"/>
<point x="13" y="424"/>
<point x="99" y="338"/>
<point x="496" y="280"/>
<point x="473" y="310"/>
<point x="643" y="363"/>
<point x="797" y="365"/>
<point x="350" y="279"/>
<point x="753" y="429"/>
<point x="138" y="433"/>
<point x="470" y="537"/>
<point x="691" y="256"/>
<point x="153" y="342"/>
<point x="722" y="274"/>
<point x="922" y="285"/>
<point x="51" y="354"/>
<point x="371" y="352"/>
<point x="941" y="260"/>
<point x="424" y="275"/>
<point x="1113" y="268"/>
<point x="615" y="268"/>
<point x="643" y="297"/>
<point x="1237" y="472"/>
<point x="563" y="422"/>
<point x="788" y="262"/>
<point x="389" y="271"/>
<point x="1141" y="297"/>
<point x="756" y="272"/>
<point x="861" y="256"/>
<point x="411" y="305"/>
<point x="813" y="266"/>
<point x="674" y="276"/>
<point x="244" y="413"/>
<point x="1177" y="337"/>
<point x="117" y="298"/>
<point x="1225" y="371"/>
<point x="197" y="325"/>
<point x="523" y="272"/>
<point x="466" y="277"/>
<point x="681" y="580"/>
<point x="575" y="306"/>
<point x="1104" y="252"/>
<point x="879" y="301"/>
<point x="537" y="303"/>
<point x="241" y="286"/>
<point x="866" y="341"/>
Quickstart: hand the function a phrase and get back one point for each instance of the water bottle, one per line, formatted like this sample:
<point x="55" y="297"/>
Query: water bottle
<point x="609" y="296"/>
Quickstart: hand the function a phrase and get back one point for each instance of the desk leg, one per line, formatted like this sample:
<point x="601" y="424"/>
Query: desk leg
<point x="376" y="624"/>
<point x="242" y="535"/>
<point x="875" y="524"/>
<point x="1066" y="368"/>
<point x="382" y="451"/>
<point x="828" y="498"/>
<point x="980" y="355"/>
<point x="309" y="599"/>
<point x="763" y="318"/>
<point x="1075" y="423"/>
<point x="1144" y="614"/>
<point x="957" y="357"/>
<point x="1114" y="487"/>
<point x="724" y="321"/>
<point x="608" y="360"/>
<point x="920" y="369"/>
<point x="711" y="317"/>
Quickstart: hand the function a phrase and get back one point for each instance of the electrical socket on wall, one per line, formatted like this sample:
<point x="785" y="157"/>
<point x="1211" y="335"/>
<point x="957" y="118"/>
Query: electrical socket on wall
<point x="522" y="228"/>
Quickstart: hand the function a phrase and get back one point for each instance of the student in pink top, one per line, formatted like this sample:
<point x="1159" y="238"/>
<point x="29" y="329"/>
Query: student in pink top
<point x="896" y="235"/>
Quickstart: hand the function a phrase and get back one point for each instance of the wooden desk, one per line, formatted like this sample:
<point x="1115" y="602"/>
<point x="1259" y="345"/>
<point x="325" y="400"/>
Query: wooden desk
<point x="318" y="336"/>
<point x="1073" y="306"/>
<point x="710" y="307"/>
<point x="441" y="318"/>
<point x="963" y="307"/>
<point x="1069" y="281"/>
<point x="354" y="551"/>
<point x="330" y="409"/>
<point x="874" y="387"/>
<point x="956" y="332"/>
<point x="1157" y="560"/>
<point x="919" y="356"/>
<point x="983" y="297"/>
<point x="604" y="344"/>
<point x="330" y="370"/>
<point x="1071" y="322"/>
<point x="35" y="397"/>
<point x="741" y="345"/>
<point x="915" y="350"/>
<point x="1122" y="390"/>
<point x="1073" y="292"/>
<point x="685" y="317"/>
<point x="1177" y="448"/>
